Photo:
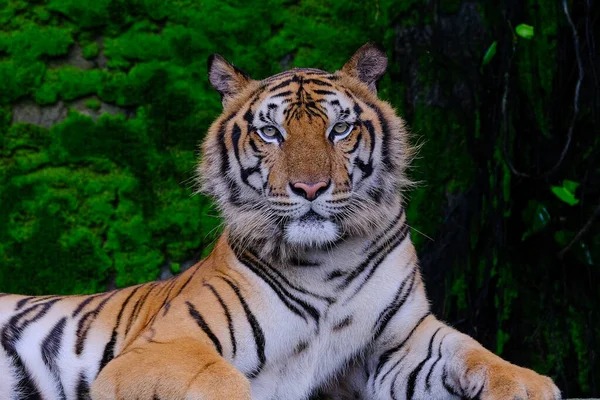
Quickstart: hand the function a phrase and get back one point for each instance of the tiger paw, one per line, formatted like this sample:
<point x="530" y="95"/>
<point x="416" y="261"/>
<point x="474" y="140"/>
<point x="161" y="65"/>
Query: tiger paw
<point x="490" y="378"/>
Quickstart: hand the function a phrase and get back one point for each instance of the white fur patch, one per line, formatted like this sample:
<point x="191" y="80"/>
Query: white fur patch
<point x="311" y="232"/>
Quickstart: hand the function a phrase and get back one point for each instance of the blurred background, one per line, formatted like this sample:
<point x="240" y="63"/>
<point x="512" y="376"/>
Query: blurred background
<point x="103" y="104"/>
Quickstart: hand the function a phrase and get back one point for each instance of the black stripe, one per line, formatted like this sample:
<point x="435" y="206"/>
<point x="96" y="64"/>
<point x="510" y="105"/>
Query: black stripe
<point x="393" y="386"/>
<point x="302" y="290"/>
<point x="84" y="303"/>
<point x="317" y="82"/>
<point x="204" y="326"/>
<point x="169" y="288"/>
<point x="342" y="324"/>
<point x="236" y="134"/>
<point x="83" y="389"/>
<point x="259" y="337"/>
<point x="109" y="349"/>
<point x="283" y="294"/>
<point x="392" y="368"/>
<point x="295" y="71"/>
<point x="167" y="304"/>
<point x="387" y="229"/>
<point x="11" y="334"/>
<point x="447" y="386"/>
<point x="386" y="355"/>
<point x="227" y="315"/>
<point x="412" y="378"/>
<point x="22" y="302"/>
<point x="279" y="278"/>
<point x="439" y="357"/>
<point x="282" y="85"/>
<point x="397" y="241"/>
<point x="392" y="309"/>
<point x="324" y="92"/>
<point x="365" y="167"/>
<point x="371" y="256"/>
<point x="282" y="94"/>
<point x="225" y="165"/>
<point x="50" y="351"/>
<point x="85" y="323"/>
<point x="296" y="262"/>
<point x="45" y="298"/>
<point x="335" y="274"/>
<point x="385" y="145"/>
<point x="356" y="144"/>
<point x="478" y="394"/>
<point x="371" y="130"/>
<point x="221" y="137"/>
<point x="138" y="307"/>
<point x="376" y="193"/>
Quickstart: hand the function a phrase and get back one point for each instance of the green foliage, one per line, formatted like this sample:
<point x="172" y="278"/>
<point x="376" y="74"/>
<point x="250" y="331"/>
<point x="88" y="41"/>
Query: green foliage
<point x="89" y="201"/>
<point x="536" y="217"/>
<point x="490" y="53"/>
<point x="525" y="31"/>
<point x="566" y="192"/>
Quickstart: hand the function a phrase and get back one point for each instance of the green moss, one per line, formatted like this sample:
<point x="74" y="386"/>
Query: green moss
<point x="32" y="42"/>
<point x="575" y="321"/>
<point x="90" y="50"/>
<point x="459" y="289"/>
<point x="87" y="14"/>
<point x="93" y="104"/>
<point x="68" y="82"/>
<point x="443" y="167"/>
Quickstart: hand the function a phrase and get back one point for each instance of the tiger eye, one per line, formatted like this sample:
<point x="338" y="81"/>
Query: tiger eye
<point x="270" y="131"/>
<point x="340" y="127"/>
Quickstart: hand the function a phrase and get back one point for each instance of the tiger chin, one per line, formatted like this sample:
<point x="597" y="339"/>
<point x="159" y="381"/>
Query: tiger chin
<point x="313" y="286"/>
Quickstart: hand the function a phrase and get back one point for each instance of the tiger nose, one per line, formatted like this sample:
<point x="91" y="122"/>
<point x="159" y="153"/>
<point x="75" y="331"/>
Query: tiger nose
<point x="309" y="191"/>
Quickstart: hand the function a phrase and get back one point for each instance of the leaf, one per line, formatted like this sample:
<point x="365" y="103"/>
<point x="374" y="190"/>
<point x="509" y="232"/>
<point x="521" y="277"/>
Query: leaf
<point x="562" y="238"/>
<point x="525" y="31"/>
<point x="541" y="218"/>
<point x="536" y="215"/>
<point x="490" y="53"/>
<point x="565" y="195"/>
<point x="570" y="185"/>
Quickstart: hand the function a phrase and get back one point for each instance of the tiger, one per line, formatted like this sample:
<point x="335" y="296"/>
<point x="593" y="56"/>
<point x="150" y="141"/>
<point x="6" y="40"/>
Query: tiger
<point x="313" y="287"/>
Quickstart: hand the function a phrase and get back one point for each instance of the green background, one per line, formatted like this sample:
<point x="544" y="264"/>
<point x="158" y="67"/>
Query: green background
<point x="103" y="104"/>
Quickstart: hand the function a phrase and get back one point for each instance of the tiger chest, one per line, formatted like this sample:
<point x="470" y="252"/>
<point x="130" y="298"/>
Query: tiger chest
<point x="304" y="352"/>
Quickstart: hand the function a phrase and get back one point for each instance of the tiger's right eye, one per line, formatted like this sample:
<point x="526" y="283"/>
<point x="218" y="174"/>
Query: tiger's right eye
<point x="270" y="134"/>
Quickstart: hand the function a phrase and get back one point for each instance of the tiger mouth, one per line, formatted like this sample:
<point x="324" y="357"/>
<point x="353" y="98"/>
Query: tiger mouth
<point x="311" y="217"/>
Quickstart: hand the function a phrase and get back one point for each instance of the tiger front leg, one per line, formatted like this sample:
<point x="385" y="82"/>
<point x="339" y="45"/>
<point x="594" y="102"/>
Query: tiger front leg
<point x="179" y="370"/>
<point x="435" y="361"/>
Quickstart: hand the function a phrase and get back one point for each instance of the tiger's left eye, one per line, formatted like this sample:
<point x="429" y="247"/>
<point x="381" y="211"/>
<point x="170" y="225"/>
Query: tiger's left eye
<point x="270" y="134"/>
<point x="340" y="130"/>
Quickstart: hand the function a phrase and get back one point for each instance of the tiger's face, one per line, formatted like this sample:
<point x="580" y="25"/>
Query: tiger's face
<point x="304" y="158"/>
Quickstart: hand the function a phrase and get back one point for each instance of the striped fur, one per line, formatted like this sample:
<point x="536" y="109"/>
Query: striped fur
<point x="297" y="295"/>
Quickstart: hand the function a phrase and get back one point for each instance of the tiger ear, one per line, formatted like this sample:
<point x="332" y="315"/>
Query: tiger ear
<point x="226" y="78"/>
<point x="368" y="64"/>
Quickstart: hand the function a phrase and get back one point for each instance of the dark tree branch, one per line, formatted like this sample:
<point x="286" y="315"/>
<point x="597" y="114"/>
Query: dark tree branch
<point x="581" y="232"/>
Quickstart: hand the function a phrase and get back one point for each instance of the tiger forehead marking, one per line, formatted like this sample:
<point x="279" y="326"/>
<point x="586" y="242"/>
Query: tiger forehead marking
<point x="303" y="112"/>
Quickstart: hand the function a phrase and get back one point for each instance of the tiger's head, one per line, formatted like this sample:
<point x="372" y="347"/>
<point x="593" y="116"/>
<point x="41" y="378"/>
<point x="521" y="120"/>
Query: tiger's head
<point x="305" y="158"/>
